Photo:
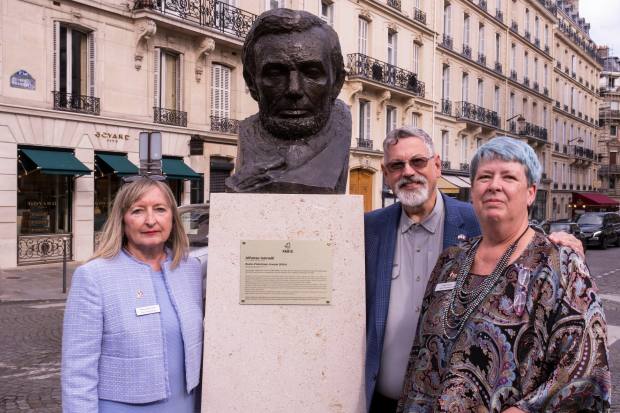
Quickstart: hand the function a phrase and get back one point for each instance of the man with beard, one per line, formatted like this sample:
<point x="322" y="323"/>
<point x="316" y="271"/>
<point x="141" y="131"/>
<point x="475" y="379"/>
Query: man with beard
<point x="299" y="141"/>
<point x="403" y="242"/>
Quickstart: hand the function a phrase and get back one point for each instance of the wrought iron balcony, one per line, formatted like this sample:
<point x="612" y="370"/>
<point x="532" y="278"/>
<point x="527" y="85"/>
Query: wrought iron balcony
<point x="447" y="42"/>
<point x="555" y="185"/>
<point x="527" y="35"/>
<point x="526" y="81"/>
<point x="565" y="108"/>
<point x="76" y="103"/>
<point x="364" y="143"/>
<point x="445" y="164"/>
<point x="38" y="249"/>
<point x="226" y="125"/>
<point x="498" y="67"/>
<point x="385" y="73"/>
<point x="537" y="42"/>
<point x="563" y="186"/>
<point x="446" y="107"/>
<point x="573" y="75"/>
<point x="513" y="75"/>
<point x="558" y="64"/>
<point x="530" y="130"/>
<point x="582" y="153"/>
<point x="464" y="167"/>
<point x="547" y="49"/>
<point x="482" y="59"/>
<point x="565" y="149"/>
<point x="566" y="70"/>
<point x="556" y="147"/>
<point x="208" y="13"/>
<point x="546" y="91"/>
<point x="169" y="116"/>
<point x="536" y="86"/>
<point x="557" y="104"/>
<point x="419" y="16"/>
<point x="514" y="26"/>
<point x="579" y="114"/>
<point x="394" y="4"/>
<point x="466" y="51"/>
<point x="482" y="4"/>
<point x="499" y="15"/>
<point x="466" y="110"/>
<point x="609" y="170"/>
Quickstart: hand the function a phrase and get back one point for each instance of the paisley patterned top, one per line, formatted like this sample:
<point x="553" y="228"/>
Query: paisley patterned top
<point x="537" y="342"/>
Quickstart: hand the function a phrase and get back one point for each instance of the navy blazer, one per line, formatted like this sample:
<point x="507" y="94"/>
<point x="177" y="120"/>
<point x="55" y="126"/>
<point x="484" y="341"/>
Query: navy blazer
<point x="380" y="229"/>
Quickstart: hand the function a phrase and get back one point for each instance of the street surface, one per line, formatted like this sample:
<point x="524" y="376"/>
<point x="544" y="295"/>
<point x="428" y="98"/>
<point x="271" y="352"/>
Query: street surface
<point x="30" y="339"/>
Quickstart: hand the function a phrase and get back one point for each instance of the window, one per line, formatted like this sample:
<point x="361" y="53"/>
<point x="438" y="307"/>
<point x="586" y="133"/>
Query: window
<point x="391" y="47"/>
<point x="556" y="131"/>
<point x="496" y="99"/>
<point x="527" y="20"/>
<point x="526" y="63"/>
<point x="497" y="47"/>
<point x="613" y="130"/>
<point x="445" y="83"/>
<point x="463" y="149"/>
<point x="364" y="125"/>
<point x="362" y="36"/>
<point x="466" y="29"/>
<point x="219" y="169"/>
<point x="537" y="27"/>
<point x="416" y="58"/>
<point x="274" y="4"/>
<point x="513" y="57"/>
<point x="220" y="91"/>
<point x="546" y="76"/>
<point x="573" y="64"/>
<point x="564" y="133"/>
<point x="536" y="69"/>
<point x="555" y="171"/>
<point x="74" y="60"/>
<point x="512" y="104"/>
<point x="447" y="19"/>
<point x="481" y="39"/>
<point x="167" y="79"/>
<point x="465" y="88"/>
<point x="545" y="117"/>
<point x="480" y="92"/>
<point x="546" y="36"/>
<point x="445" y="144"/>
<point x="415" y="120"/>
<point x="327" y="12"/>
<point x="390" y="118"/>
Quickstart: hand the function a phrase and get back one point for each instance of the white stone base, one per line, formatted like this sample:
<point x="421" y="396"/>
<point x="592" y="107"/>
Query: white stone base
<point x="284" y="358"/>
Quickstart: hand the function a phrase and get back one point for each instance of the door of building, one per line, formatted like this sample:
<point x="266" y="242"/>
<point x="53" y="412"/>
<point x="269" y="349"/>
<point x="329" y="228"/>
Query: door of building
<point x="360" y="183"/>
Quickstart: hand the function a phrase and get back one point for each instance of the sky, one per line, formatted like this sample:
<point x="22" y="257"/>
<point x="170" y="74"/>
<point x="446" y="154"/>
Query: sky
<point x="604" y="18"/>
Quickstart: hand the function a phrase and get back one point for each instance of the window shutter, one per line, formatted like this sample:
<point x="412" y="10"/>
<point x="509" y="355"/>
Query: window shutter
<point x="216" y="82"/>
<point x="56" y="44"/>
<point x="156" y="77"/>
<point x="179" y="82"/>
<point x="91" y="64"/>
<point x="225" y="92"/>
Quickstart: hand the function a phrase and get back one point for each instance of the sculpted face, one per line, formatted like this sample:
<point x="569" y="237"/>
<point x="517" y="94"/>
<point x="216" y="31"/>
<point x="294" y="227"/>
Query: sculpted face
<point x="294" y="82"/>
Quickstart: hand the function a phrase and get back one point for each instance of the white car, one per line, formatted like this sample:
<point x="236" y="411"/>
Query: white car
<point x="195" y="221"/>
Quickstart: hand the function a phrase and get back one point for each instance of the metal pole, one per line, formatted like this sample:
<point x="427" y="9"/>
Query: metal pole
<point x="64" y="265"/>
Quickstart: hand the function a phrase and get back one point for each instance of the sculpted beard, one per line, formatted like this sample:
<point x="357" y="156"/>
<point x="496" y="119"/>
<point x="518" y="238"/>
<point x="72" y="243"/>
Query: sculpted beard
<point x="412" y="198"/>
<point x="293" y="128"/>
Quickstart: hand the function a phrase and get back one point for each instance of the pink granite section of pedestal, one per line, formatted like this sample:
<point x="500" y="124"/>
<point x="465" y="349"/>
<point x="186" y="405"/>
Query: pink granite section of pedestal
<point x="284" y="358"/>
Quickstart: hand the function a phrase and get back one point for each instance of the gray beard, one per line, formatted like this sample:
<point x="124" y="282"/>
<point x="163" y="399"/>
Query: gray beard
<point x="290" y="129"/>
<point x="412" y="198"/>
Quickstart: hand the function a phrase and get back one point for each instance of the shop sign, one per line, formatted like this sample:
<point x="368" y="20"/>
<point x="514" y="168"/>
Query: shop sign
<point x="112" y="137"/>
<point x="22" y="79"/>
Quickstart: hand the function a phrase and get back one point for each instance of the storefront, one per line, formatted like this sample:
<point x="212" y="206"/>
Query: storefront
<point x="176" y="172"/>
<point x="45" y="187"/>
<point x="592" y="202"/>
<point x="455" y="186"/>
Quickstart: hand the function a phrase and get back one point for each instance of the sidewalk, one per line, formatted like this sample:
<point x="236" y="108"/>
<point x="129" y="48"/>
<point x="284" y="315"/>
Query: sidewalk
<point x="35" y="282"/>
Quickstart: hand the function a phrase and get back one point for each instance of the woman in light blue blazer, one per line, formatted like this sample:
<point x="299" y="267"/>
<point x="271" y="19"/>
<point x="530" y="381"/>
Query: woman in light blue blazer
<point x="133" y="327"/>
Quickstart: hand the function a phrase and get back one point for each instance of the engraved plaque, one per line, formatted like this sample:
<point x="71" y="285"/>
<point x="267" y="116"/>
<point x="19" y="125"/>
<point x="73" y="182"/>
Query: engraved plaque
<point x="286" y="272"/>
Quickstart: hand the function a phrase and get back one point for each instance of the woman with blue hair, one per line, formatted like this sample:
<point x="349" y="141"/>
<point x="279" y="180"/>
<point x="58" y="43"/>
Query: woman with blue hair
<point x="510" y="322"/>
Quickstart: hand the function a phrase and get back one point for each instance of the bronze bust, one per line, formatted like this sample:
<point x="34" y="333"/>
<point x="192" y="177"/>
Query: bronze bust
<point x="299" y="140"/>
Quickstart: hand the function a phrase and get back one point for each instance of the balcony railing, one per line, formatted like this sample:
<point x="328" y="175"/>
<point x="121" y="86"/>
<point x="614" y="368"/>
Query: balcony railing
<point x="530" y="130"/>
<point x="464" y="167"/>
<point x="364" y="143"/>
<point x="447" y="42"/>
<point x="76" y="103"/>
<point x="169" y="116"/>
<point x="581" y="152"/>
<point x="226" y="125"/>
<point x="482" y="4"/>
<point x="385" y="73"/>
<point x="499" y="15"/>
<point x="611" y="113"/>
<point x="445" y="164"/>
<point x="466" y="110"/>
<point x="547" y="49"/>
<point x="537" y="42"/>
<point x="514" y="26"/>
<point x="498" y="67"/>
<point x="588" y="47"/>
<point x="419" y="15"/>
<point x="482" y="59"/>
<point x="394" y="4"/>
<point x="546" y="91"/>
<point x="513" y="75"/>
<point x="209" y="13"/>
<point x="526" y="81"/>
<point x="556" y="147"/>
<point x="37" y="249"/>
<point x="609" y="169"/>
<point x="466" y="51"/>
<point x="446" y="107"/>
<point x="527" y="35"/>
<point x="536" y="86"/>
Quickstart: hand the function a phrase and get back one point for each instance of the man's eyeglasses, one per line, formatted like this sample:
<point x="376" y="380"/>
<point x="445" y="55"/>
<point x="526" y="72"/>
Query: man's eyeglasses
<point x="417" y="162"/>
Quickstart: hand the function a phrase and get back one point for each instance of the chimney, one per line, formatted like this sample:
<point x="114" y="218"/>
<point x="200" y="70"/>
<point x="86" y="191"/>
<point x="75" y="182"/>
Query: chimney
<point x="603" y="52"/>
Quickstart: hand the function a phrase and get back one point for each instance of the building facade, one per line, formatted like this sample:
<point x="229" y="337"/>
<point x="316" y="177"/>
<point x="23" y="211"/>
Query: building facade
<point x="79" y="80"/>
<point x="609" y="118"/>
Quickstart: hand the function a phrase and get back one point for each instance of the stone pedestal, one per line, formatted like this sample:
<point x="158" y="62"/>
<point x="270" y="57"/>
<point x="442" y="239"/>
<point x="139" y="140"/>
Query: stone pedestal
<point x="284" y="358"/>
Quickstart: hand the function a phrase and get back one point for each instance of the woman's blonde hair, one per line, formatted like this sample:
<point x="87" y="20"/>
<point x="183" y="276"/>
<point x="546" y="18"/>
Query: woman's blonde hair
<point x="113" y="235"/>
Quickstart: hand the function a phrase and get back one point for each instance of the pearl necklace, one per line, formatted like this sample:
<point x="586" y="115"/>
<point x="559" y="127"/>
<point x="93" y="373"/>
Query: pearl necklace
<point x="470" y="300"/>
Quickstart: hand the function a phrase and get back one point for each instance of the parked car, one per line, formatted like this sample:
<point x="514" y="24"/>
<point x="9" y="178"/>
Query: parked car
<point x="600" y="228"/>
<point x="195" y="221"/>
<point x="569" y="227"/>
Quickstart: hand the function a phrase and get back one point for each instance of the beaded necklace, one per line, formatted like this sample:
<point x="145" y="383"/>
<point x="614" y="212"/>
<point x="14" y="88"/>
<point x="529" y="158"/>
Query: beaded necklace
<point x="470" y="300"/>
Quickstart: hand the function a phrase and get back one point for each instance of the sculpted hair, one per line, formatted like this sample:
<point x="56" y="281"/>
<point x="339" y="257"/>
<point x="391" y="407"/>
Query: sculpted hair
<point x="405" y="132"/>
<point x="278" y="21"/>
<point x="509" y="150"/>
<point x="113" y="235"/>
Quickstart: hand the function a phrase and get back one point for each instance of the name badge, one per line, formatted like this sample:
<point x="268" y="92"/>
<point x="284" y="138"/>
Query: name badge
<point x="445" y="286"/>
<point x="149" y="309"/>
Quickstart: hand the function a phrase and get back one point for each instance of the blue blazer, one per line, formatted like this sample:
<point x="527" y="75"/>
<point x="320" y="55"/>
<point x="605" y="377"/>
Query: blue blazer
<point x="380" y="229"/>
<point x="108" y="352"/>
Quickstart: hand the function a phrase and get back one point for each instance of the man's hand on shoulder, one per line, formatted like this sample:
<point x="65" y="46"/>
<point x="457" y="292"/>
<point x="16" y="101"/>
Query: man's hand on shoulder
<point x="565" y="239"/>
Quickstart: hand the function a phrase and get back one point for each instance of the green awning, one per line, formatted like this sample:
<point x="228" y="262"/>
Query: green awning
<point x="175" y="168"/>
<point x="53" y="162"/>
<point x="117" y="163"/>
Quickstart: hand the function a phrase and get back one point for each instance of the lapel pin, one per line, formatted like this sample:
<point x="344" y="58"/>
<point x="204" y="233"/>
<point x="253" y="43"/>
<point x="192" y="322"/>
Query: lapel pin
<point x="139" y="294"/>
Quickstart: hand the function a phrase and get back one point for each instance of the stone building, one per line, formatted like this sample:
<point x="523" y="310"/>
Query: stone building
<point x="79" y="80"/>
<point x="609" y="117"/>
